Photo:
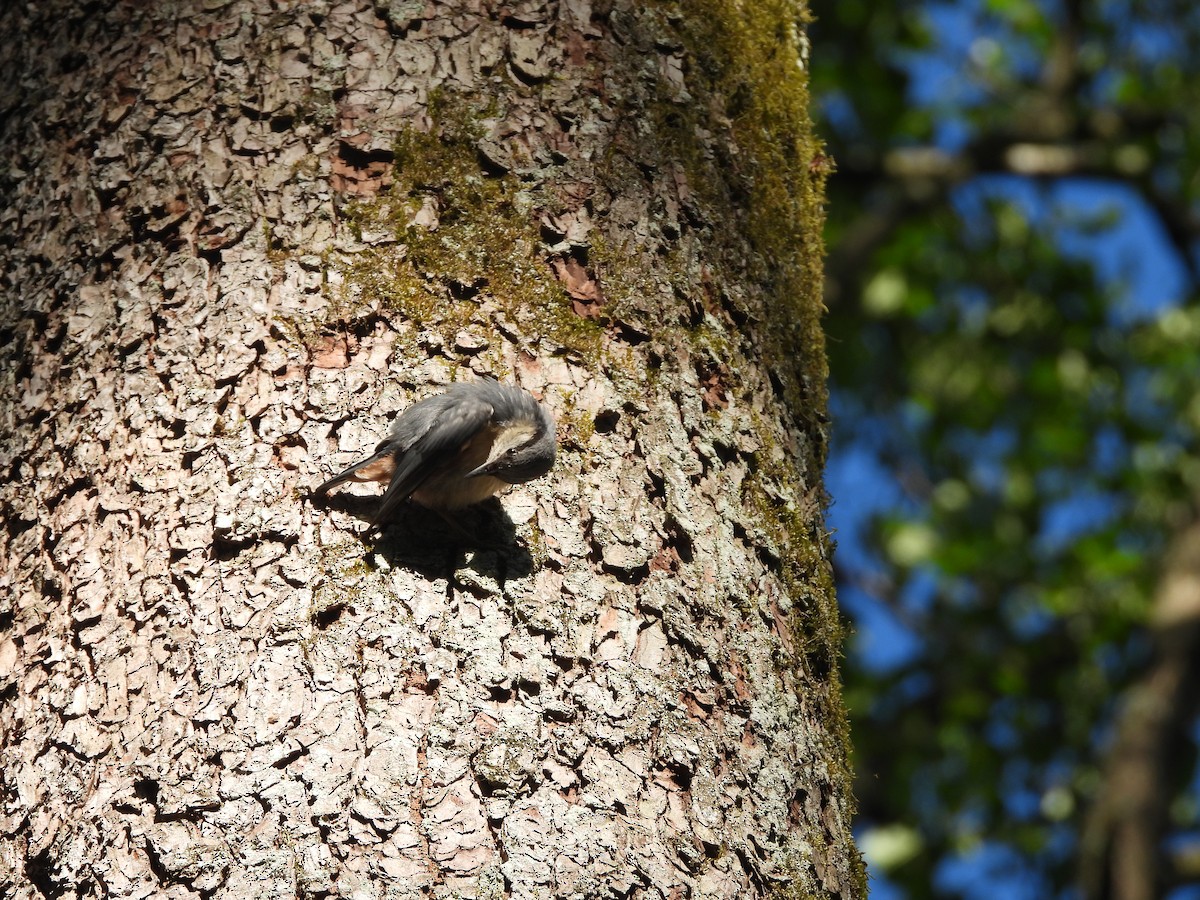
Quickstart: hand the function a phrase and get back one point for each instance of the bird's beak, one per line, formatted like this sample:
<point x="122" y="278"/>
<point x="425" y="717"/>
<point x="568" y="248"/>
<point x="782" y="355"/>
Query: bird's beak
<point x="485" y="469"/>
<point x="488" y="464"/>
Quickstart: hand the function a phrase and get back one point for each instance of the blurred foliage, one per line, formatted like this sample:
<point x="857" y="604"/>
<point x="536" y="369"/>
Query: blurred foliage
<point x="1037" y="411"/>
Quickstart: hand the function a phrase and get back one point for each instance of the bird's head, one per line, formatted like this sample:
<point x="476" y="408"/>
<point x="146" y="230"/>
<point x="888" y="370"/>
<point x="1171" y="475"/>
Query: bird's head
<point x="523" y="448"/>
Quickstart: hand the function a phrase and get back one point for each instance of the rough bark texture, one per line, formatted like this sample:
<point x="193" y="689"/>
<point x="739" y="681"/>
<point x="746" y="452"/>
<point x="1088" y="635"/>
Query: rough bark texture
<point x="236" y="238"/>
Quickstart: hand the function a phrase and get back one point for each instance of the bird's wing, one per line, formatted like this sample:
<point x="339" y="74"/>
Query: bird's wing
<point x="429" y="434"/>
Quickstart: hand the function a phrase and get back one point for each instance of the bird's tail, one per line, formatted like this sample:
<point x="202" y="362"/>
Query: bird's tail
<point x="352" y="473"/>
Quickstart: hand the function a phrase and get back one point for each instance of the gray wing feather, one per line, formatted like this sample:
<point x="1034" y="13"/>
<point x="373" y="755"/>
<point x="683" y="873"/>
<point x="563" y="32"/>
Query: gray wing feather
<point x="423" y="449"/>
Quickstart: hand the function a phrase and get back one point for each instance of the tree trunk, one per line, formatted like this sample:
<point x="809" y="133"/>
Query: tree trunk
<point x="1123" y="853"/>
<point x="237" y="238"/>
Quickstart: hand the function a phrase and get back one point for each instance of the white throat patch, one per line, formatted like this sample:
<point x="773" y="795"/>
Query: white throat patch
<point x="510" y="437"/>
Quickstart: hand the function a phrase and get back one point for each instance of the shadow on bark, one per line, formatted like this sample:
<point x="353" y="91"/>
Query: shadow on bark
<point x="432" y="544"/>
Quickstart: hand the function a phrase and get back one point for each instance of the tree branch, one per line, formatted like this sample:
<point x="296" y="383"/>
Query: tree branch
<point x="908" y="180"/>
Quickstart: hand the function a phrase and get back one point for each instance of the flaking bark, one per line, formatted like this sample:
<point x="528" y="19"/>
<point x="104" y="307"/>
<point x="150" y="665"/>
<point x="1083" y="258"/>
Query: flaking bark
<point x="237" y="237"/>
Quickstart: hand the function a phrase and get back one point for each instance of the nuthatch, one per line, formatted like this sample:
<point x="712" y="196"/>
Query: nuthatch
<point x="458" y="448"/>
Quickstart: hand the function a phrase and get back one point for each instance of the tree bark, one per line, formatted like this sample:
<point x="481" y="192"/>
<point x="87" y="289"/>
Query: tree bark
<point x="238" y="237"/>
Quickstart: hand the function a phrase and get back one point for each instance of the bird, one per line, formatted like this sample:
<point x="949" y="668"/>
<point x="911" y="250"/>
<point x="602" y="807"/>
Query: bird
<point x="458" y="448"/>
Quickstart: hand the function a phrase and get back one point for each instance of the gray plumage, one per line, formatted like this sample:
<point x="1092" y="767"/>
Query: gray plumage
<point x="458" y="448"/>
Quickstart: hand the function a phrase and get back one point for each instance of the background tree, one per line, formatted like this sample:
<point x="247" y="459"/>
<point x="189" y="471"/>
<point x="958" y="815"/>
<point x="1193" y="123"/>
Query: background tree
<point x="237" y="236"/>
<point x="1013" y="346"/>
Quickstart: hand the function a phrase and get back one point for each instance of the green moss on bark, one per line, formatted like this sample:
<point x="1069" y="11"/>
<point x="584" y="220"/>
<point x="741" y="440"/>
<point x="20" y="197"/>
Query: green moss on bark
<point x="483" y="244"/>
<point x="747" y="79"/>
